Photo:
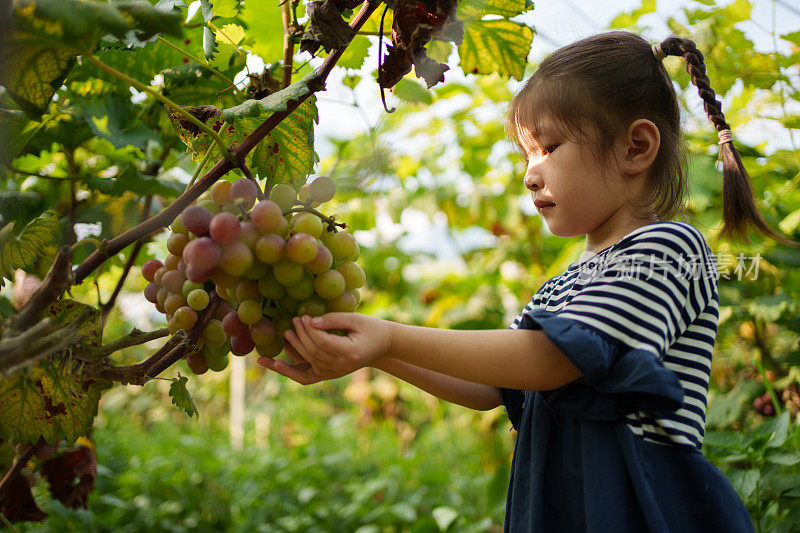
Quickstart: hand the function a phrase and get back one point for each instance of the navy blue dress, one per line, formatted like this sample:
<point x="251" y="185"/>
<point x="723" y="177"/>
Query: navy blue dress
<point x="620" y="449"/>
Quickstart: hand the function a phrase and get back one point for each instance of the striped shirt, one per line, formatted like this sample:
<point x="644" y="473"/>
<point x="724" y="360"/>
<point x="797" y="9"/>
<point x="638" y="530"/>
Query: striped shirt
<point x="655" y="289"/>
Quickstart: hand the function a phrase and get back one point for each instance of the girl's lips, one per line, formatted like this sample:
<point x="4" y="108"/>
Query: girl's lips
<point x="540" y="204"/>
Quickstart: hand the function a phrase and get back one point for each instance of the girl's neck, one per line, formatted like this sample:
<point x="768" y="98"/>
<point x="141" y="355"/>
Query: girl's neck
<point x="612" y="231"/>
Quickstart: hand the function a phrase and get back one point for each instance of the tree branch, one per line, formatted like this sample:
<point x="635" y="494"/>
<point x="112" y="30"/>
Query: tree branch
<point x="134" y="338"/>
<point x="288" y="44"/>
<point x="57" y="280"/>
<point x="133" y="374"/>
<point x="16" y="468"/>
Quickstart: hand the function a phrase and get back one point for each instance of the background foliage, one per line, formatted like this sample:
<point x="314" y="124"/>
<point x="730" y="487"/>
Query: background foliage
<point x="369" y="452"/>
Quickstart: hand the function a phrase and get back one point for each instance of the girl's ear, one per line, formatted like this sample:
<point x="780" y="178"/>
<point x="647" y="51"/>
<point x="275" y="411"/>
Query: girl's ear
<point x="640" y="148"/>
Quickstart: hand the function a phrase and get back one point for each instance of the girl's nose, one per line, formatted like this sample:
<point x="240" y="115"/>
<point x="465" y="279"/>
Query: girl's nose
<point x="532" y="180"/>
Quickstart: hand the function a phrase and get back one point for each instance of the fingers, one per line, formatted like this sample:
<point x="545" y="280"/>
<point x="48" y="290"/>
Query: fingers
<point x="334" y="321"/>
<point x="321" y="339"/>
<point x="293" y="355"/>
<point x="301" y="373"/>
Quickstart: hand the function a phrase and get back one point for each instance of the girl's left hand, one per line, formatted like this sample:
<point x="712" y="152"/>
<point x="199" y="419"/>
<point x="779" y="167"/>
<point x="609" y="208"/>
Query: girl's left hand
<point x="330" y="356"/>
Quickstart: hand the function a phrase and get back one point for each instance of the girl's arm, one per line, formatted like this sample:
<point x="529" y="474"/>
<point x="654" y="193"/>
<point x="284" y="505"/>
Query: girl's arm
<point x="512" y="358"/>
<point x="467" y="393"/>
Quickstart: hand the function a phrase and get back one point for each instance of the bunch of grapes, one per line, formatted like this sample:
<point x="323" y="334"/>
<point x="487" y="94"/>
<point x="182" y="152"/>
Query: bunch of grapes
<point x="268" y="261"/>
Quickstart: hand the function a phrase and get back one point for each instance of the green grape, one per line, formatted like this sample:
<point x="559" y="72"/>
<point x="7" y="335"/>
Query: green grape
<point x="171" y="262"/>
<point x="284" y="196"/>
<point x="211" y="205"/>
<point x="354" y="276"/>
<point x="185" y="318"/>
<point x="288" y="272"/>
<point x="178" y="227"/>
<point x="189" y="286"/>
<point x="266" y="216"/>
<point x="307" y="223"/>
<point x="322" y="189"/>
<point x="329" y="285"/>
<point x="198" y="299"/>
<point x="283" y="228"/>
<point x="249" y="311"/>
<point x="176" y="243"/>
<point x="282" y="324"/>
<point x="343" y="246"/>
<point x="273" y="349"/>
<point x="221" y="192"/>
<point x="271" y="288"/>
<point x="346" y="303"/>
<point x="257" y="270"/>
<point x="161" y="296"/>
<point x="302" y="289"/>
<point x="301" y="248"/>
<point x="304" y="194"/>
<point x="217" y="361"/>
<point x="223" y="279"/>
<point x="270" y="248"/>
<point x="287" y="304"/>
<point x="214" y="333"/>
<point x="249" y="234"/>
<point x="314" y="306"/>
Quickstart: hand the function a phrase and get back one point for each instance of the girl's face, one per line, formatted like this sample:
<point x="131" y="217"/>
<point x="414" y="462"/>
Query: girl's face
<point x="586" y="197"/>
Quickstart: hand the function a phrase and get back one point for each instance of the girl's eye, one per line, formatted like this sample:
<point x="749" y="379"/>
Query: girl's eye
<point x="550" y="148"/>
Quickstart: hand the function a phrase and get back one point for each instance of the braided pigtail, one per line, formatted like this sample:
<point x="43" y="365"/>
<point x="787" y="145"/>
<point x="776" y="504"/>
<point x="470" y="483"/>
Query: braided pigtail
<point x="738" y="207"/>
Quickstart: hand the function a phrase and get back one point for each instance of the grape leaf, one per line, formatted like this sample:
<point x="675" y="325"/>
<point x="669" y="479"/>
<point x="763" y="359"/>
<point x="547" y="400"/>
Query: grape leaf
<point x="264" y="29"/>
<point x="495" y="46"/>
<point x="113" y="118"/>
<point x="44" y="402"/>
<point x="64" y="312"/>
<point x="181" y="397"/>
<point x="18" y="505"/>
<point x="71" y="476"/>
<point x="21" y="251"/>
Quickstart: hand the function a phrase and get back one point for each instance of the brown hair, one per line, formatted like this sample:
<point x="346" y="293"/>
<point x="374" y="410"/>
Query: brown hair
<point x="599" y="85"/>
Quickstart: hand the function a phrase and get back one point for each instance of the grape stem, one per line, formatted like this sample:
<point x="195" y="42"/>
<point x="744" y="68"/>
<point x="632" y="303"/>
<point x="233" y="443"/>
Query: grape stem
<point x="328" y="220"/>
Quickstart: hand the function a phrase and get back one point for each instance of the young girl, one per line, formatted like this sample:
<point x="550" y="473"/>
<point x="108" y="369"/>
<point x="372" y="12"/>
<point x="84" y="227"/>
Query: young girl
<point x="604" y="374"/>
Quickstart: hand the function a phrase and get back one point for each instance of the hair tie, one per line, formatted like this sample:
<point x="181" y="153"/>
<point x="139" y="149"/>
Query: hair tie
<point x="725" y="136"/>
<point x="658" y="52"/>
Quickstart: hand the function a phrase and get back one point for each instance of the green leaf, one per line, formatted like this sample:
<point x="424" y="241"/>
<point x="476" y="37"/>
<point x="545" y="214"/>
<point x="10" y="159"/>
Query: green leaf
<point x="209" y="43"/>
<point x="113" y="118"/>
<point x="495" y="46"/>
<point x="355" y="53"/>
<point x="630" y="19"/>
<point x="181" y="397"/>
<point x="274" y="102"/>
<point x="64" y="312"/>
<point x="44" y="402"/>
<point x="264" y="30"/>
<point x="21" y="251"/>
<point x="793" y="37"/>
<point x="18" y="205"/>
<point x="411" y="91"/>
<point x="784" y="458"/>
<point x="780" y="432"/>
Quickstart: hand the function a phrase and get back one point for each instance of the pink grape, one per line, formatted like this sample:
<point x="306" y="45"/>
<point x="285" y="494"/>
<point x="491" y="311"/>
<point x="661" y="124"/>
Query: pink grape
<point x="321" y="262"/>
<point x="301" y="248"/>
<point x="202" y="253"/>
<point x="247" y="290"/>
<point x="159" y="274"/>
<point x="329" y="285"/>
<point x="173" y="281"/>
<point x="224" y="228"/>
<point x="176" y="242"/>
<point x="149" y="268"/>
<point x="354" y="276"/>
<point x="222" y="310"/>
<point x="173" y="302"/>
<point x="244" y="192"/>
<point x="263" y="332"/>
<point x="161" y="297"/>
<point x="182" y="266"/>
<point x="250" y="311"/>
<point x="236" y="258"/>
<point x="249" y="234"/>
<point x="343" y="246"/>
<point x="266" y="216"/>
<point x="197" y="275"/>
<point x="346" y="303"/>
<point x="196" y="219"/>
<point x="307" y="223"/>
<point x="171" y="262"/>
<point x="221" y="192"/>
<point x="233" y="326"/>
<point x="151" y="292"/>
<point x="270" y="248"/>
<point x="197" y="363"/>
<point x="242" y="344"/>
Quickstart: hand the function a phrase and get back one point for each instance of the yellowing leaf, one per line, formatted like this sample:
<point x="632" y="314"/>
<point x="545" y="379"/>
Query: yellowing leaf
<point x="21" y="251"/>
<point x="495" y="46"/>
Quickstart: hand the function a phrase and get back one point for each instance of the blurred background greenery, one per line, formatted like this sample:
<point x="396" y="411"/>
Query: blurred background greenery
<point x="449" y="239"/>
